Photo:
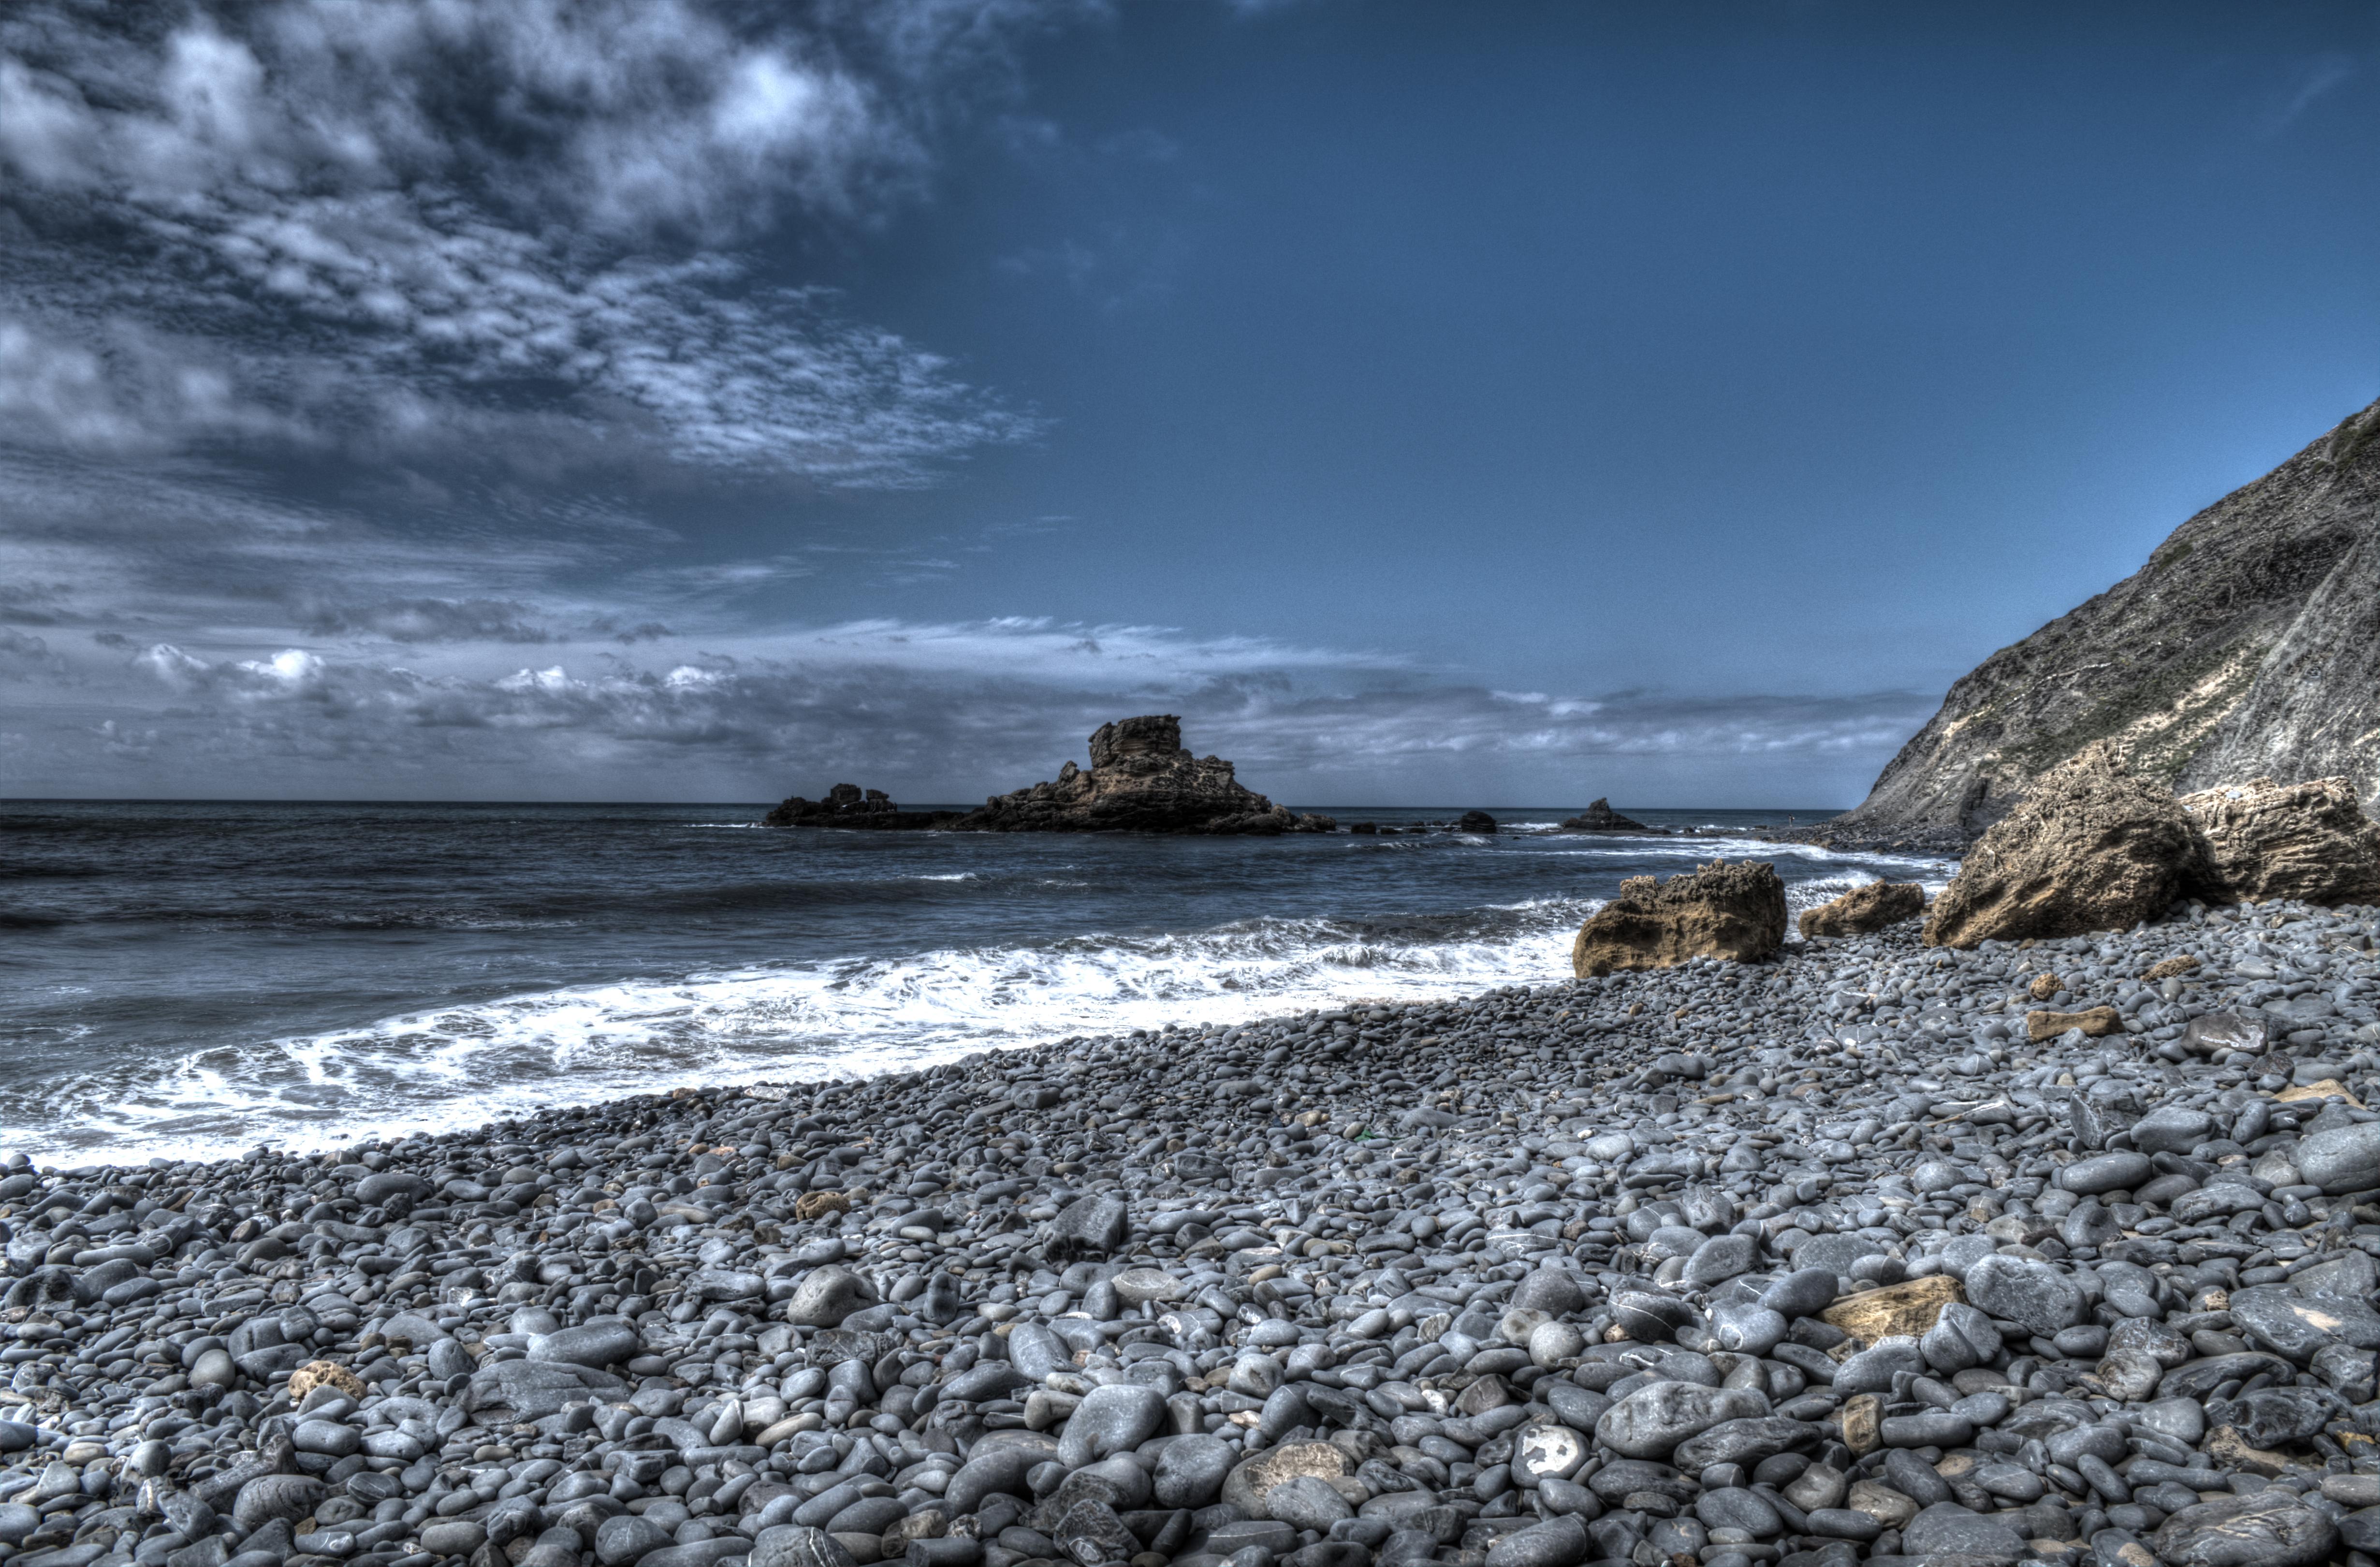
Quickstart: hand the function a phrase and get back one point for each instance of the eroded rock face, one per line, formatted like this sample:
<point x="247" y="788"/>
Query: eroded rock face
<point x="1601" y="818"/>
<point x="2091" y="848"/>
<point x="2307" y="841"/>
<point x="1140" y="780"/>
<point x="1864" y="909"/>
<point x="2244" y="647"/>
<point x="1720" y="910"/>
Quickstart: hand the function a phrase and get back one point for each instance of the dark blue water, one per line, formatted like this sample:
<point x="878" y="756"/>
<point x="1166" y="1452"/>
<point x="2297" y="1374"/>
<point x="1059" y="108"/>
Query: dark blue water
<point x="181" y="977"/>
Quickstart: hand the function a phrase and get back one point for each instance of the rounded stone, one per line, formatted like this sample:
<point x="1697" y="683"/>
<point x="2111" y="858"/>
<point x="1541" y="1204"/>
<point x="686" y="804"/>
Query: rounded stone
<point x="2266" y="1528"/>
<point x="827" y="1295"/>
<point x="1305" y="1501"/>
<point x="1139" y="1286"/>
<point x="1111" y="1419"/>
<point x="2344" y="1159"/>
<point x="627" y="1537"/>
<point x="2035" y="1295"/>
<point x="1652" y="1421"/>
<point x="2121" y="1170"/>
<point x="1190" y="1471"/>
<point x="453" y="1537"/>
<point x="268" y="1496"/>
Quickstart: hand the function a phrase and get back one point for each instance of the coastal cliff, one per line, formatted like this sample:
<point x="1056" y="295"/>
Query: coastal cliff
<point x="2248" y="646"/>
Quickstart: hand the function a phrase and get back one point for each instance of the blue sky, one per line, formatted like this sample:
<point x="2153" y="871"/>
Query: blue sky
<point x="1432" y="404"/>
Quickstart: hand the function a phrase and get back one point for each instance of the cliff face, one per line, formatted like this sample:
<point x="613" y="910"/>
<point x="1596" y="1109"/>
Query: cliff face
<point x="2249" y="646"/>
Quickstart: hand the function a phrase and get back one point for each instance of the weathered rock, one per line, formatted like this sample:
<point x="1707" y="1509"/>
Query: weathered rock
<point x="2266" y="1528"/>
<point x="2037" y="1295"/>
<point x="1864" y="909"/>
<point x="1720" y="910"/>
<point x="848" y="805"/>
<point x="2096" y="1023"/>
<point x="1601" y="818"/>
<point x="2089" y="848"/>
<point x="2218" y="1032"/>
<point x="1896" y="1310"/>
<point x="2243" y="649"/>
<point x="1140" y="780"/>
<point x="2345" y="1159"/>
<point x="2307" y="841"/>
<point x="1091" y="1226"/>
<point x="827" y="1295"/>
<point x="1652" y="1421"/>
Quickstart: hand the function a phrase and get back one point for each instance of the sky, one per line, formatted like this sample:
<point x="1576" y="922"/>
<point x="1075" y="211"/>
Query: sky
<point x="1473" y="404"/>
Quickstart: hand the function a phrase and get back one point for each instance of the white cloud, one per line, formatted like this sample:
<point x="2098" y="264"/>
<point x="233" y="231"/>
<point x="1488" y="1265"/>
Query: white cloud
<point x="384" y="218"/>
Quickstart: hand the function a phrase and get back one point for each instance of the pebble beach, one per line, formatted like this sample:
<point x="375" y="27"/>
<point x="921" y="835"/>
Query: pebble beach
<point x="1810" y="1261"/>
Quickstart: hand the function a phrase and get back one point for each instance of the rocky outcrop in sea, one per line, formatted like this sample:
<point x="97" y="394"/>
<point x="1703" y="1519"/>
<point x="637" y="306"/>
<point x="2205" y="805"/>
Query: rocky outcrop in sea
<point x="2244" y="649"/>
<point x="846" y="805"/>
<point x="1140" y="780"/>
<point x="1601" y="818"/>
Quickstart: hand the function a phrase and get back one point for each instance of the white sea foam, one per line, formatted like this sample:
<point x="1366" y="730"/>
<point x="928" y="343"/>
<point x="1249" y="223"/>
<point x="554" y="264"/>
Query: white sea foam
<point x="458" y="1066"/>
<point x="447" y="1067"/>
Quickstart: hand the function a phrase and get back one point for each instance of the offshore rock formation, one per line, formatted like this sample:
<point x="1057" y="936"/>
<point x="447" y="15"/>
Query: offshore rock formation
<point x="1601" y="818"/>
<point x="846" y="805"/>
<point x="1718" y="910"/>
<point x="2090" y="848"/>
<point x="2248" y="647"/>
<point x="1140" y="780"/>
<point x="2309" y="841"/>
<point x="1864" y="909"/>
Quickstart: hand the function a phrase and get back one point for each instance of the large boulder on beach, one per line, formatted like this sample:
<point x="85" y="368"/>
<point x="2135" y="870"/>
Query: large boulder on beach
<point x="1140" y="780"/>
<point x="2307" y="841"/>
<point x="1719" y="910"/>
<point x="1864" y="909"/>
<point x="2091" y="848"/>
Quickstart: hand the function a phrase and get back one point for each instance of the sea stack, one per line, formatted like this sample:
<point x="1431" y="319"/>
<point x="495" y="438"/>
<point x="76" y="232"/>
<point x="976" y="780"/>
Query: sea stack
<point x="1140" y="780"/>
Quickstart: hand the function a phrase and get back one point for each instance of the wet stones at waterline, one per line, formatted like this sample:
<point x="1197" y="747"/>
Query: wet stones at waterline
<point x="1815" y="1260"/>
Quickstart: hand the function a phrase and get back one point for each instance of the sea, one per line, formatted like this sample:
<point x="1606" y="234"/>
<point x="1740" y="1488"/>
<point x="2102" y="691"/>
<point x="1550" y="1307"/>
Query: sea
<point x="195" y="980"/>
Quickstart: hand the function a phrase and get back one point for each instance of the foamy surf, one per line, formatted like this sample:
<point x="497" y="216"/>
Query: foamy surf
<point x="466" y="964"/>
<point x="446" y="1068"/>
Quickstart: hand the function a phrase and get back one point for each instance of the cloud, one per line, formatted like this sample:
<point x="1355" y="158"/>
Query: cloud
<point x="355" y="221"/>
<point x="938" y="711"/>
<point x="2314" y="81"/>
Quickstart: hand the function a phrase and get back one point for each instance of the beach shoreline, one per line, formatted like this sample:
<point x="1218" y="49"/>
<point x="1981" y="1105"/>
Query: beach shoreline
<point x="1429" y="1257"/>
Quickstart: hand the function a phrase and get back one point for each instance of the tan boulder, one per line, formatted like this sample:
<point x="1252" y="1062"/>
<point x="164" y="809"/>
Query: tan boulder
<point x="1719" y="910"/>
<point x="2090" y="848"/>
<point x="2307" y="840"/>
<point x="2096" y="1023"/>
<point x="1895" y="1310"/>
<point x="1864" y="909"/>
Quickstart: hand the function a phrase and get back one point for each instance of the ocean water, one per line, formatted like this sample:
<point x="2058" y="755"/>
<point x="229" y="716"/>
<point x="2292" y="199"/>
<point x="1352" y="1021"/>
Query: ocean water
<point x="197" y="978"/>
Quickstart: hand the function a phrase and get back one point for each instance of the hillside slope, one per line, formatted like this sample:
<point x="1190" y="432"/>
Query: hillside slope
<point x="2248" y="646"/>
